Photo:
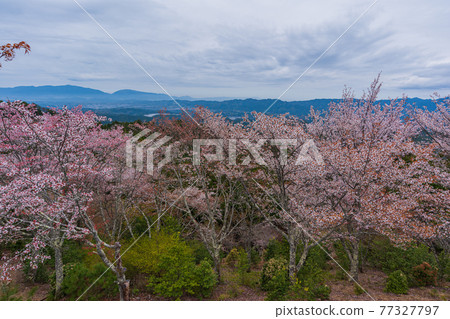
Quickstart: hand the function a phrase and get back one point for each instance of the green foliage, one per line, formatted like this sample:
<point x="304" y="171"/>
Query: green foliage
<point x="250" y="279"/>
<point x="444" y="263"/>
<point x="300" y="291"/>
<point x="169" y="224"/>
<point x="274" y="278"/>
<point x="255" y="257"/>
<point x="311" y="277"/>
<point x="309" y="284"/>
<point x="313" y="271"/>
<point x="204" y="279"/>
<point x="340" y="275"/>
<point x="320" y="292"/>
<point x="78" y="277"/>
<point x="239" y="272"/>
<point x="277" y="249"/>
<point x="232" y="258"/>
<point x="424" y="275"/>
<point x="72" y="252"/>
<point x="200" y="251"/>
<point x="341" y="255"/>
<point x="169" y="265"/>
<point x="397" y="283"/>
<point x="7" y="292"/>
<point x="387" y="257"/>
<point x="12" y="245"/>
<point x="243" y="263"/>
<point x="39" y="275"/>
<point x="246" y="276"/>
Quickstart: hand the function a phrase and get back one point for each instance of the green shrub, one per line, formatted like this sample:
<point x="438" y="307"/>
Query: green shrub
<point x="205" y="279"/>
<point x="79" y="277"/>
<point x="169" y="224"/>
<point x="387" y="257"/>
<point x="277" y="287"/>
<point x="299" y="291"/>
<point x="231" y="259"/>
<point x="72" y="252"/>
<point x="243" y="263"/>
<point x="200" y="251"/>
<point x="239" y="272"/>
<point x="274" y="278"/>
<point x="246" y="276"/>
<point x="39" y="275"/>
<point x="169" y="265"/>
<point x="313" y="272"/>
<point x="250" y="279"/>
<point x="277" y="249"/>
<point x="320" y="292"/>
<point x="444" y="262"/>
<point x="341" y="255"/>
<point x="255" y="257"/>
<point x="397" y="283"/>
<point x="424" y="275"/>
<point x="7" y="292"/>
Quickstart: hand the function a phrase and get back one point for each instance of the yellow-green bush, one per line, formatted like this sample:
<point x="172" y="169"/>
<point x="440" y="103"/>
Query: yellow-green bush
<point x="169" y="265"/>
<point x="397" y="282"/>
<point x="274" y="278"/>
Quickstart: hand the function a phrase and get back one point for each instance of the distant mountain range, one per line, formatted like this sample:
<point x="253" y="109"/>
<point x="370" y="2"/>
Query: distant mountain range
<point x="75" y="94"/>
<point x="130" y="105"/>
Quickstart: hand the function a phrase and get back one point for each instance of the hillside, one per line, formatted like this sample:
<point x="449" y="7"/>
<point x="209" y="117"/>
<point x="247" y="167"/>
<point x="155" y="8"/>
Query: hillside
<point x="130" y="105"/>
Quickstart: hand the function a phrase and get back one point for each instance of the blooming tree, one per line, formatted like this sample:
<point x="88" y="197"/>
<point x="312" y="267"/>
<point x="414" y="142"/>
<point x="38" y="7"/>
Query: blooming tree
<point x="48" y="164"/>
<point x="375" y="174"/>
<point x="278" y="176"/>
<point x="435" y="124"/>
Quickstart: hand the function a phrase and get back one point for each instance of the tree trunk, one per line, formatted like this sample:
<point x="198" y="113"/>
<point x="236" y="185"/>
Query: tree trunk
<point x="124" y="284"/>
<point x="354" y="261"/>
<point x="303" y="257"/>
<point x="439" y="263"/>
<point x="292" y="256"/>
<point x="158" y="221"/>
<point x="216" y="258"/>
<point x="248" y="250"/>
<point x="59" y="270"/>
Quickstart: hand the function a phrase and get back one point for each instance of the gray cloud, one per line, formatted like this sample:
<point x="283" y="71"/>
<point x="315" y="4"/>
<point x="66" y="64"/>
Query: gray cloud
<point x="231" y="48"/>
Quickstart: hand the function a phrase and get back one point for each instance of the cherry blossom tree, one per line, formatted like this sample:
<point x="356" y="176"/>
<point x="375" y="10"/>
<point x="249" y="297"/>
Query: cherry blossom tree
<point x="48" y="167"/>
<point x="115" y="204"/>
<point x="206" y="199"/>
<point x="435" y="124"/>
<point x="277" y="178"/>
<point x="375" y="174"/>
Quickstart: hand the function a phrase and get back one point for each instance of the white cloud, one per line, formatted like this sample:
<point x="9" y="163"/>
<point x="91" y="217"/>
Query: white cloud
<point x="231" y="48"/>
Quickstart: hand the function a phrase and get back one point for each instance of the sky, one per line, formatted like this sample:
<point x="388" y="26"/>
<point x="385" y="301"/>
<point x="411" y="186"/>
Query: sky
<point x="228" y="48"/>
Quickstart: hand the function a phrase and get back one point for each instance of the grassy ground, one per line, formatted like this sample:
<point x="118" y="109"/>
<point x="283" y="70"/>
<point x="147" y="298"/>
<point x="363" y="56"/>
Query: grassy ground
<point x="234" y="288"/>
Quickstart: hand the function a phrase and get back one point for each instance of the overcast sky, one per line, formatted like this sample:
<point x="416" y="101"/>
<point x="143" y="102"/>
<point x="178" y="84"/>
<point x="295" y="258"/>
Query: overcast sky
<point x="245" y="48"/>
